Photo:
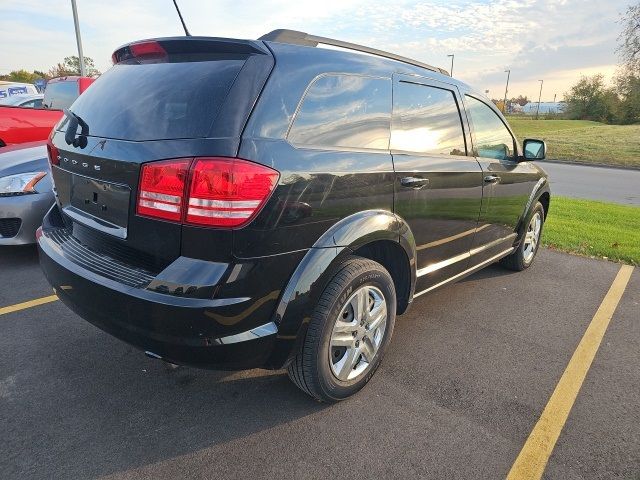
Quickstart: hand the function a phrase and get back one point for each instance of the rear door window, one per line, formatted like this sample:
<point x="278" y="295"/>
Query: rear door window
<point x="158" y="101"/>
<point x="344" y="111"/>
<point x="59" y="95"/>
<point x="426" y="120"/>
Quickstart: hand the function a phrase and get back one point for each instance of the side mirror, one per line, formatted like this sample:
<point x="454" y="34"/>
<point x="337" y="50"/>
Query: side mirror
<point x="534" y="149"/>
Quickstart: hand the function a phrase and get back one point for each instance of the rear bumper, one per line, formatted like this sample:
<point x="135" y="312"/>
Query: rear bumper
<point x="221" y="333"/>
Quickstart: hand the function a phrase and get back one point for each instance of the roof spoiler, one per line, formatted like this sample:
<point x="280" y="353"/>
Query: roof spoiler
<point x="301" y="38"/>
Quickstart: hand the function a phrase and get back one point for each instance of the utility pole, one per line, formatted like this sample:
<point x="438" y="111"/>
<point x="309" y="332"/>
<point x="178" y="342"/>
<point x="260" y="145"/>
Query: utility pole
<point x="506" y="90"/>
<point x="452" y="57"/>
<point x="539" y="97"/>
<point x="83" y="71"/>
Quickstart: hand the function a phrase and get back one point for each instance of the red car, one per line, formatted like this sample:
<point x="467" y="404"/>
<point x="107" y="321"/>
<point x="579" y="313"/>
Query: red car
<point x="20" y="125"/>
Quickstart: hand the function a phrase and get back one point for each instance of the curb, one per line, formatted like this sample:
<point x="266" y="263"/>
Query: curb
<point x="588" y="164"/>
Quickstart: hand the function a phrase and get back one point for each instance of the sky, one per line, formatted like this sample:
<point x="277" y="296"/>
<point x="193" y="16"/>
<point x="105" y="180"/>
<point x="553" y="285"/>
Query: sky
<point x="553" y="40"/>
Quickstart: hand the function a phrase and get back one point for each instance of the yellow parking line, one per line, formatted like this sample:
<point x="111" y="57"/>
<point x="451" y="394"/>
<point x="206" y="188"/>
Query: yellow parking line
<point x="535" y="454"/>
<point x="31" y="303"/>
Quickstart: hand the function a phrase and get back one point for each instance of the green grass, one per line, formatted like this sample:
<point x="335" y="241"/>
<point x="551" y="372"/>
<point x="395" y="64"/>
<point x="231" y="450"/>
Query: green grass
<point x="583" y="141"/>
<point x="597" y="229"/>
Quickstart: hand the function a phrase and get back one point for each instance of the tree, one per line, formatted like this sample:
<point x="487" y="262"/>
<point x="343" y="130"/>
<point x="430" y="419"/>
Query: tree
<point x="629" y="39"/>
<point x="71" y="66"/>
<point x="628" y="76"/>
<point x="590" y="99"/>
<point x="21" y="76"/>
<point x="520" y="100"/>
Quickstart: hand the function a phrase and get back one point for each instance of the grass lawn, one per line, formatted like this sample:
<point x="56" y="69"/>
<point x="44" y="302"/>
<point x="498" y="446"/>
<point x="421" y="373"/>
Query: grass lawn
<point x="598" y="229"/>
<point x="583" y="141"/>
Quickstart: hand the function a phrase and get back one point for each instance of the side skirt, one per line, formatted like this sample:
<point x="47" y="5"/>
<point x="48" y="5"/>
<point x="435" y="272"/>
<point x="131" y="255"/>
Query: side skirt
<point x="468" y="271"/>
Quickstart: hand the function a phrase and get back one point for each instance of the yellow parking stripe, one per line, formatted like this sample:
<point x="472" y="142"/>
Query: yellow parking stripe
<point x="535" y="454"/>
<point x="31" y="303"/>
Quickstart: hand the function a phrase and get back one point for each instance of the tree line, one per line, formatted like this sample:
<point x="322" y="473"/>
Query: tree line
<point x="591" y="99"/>
<point x="69" y="66"/>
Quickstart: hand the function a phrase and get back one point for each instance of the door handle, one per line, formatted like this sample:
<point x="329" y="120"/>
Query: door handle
<point x="414" y="182"/>
<point x="491" y="179"/>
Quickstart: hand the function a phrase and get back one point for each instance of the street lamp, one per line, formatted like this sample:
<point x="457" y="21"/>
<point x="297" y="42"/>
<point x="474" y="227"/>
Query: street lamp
<point x="452" y="57"/>
<point x="83" y="71"/>
<point x="506" y="90"/>
<point x="539" y="97"/>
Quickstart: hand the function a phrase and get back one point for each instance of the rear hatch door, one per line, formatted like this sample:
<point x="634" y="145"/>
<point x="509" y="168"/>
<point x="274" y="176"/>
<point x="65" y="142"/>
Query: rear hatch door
<point x="163" y="99"/>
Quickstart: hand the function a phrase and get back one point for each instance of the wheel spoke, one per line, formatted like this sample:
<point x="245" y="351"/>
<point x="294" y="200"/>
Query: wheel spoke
<point x="367" y="349"/>
<point x="345" y="366"/>
<point x="345" y="327"/>
<point x="360" y="304"/>
<point x="378" y="316"/>
<point x="342" y="339"/>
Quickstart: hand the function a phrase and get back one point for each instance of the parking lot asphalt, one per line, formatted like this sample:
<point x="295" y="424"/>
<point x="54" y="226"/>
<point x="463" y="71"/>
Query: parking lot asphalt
<point x="467" y="376"/>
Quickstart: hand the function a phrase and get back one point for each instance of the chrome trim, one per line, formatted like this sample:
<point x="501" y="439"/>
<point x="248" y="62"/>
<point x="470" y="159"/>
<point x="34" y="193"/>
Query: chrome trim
<point x="463" y="256"/>
<point x="258" y="332"/>
<point x="452" y="237"/>
<point x="93" y="222"/>
<point x="231" y="204"/>
<point x="467" y="271"/>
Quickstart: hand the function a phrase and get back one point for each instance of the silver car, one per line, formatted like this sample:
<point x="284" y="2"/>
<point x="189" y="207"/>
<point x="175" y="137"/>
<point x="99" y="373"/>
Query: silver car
<point x="25" y="192"/>
<point x="33" y="100"/>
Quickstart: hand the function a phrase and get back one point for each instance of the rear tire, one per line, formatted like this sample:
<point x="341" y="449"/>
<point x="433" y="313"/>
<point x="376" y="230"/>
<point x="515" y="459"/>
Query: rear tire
<point x="349" y="331"/>
<point x="526" y="252"/>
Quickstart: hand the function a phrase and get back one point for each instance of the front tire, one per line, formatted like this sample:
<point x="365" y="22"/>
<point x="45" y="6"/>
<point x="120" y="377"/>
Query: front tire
<point x="349" y="331"/>
<point x="526" y="252"/>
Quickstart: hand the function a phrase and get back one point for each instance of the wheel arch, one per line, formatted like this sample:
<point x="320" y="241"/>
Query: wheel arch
<point x="540" y="193"/>
<point x="379" y="235"/>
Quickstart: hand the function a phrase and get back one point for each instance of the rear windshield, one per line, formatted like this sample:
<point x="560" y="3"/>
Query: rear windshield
<point x="59" y="95"/>
<point x="156" y="101"/>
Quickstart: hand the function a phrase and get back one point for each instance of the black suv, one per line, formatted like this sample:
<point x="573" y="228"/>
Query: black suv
<point x="234" y="204"/>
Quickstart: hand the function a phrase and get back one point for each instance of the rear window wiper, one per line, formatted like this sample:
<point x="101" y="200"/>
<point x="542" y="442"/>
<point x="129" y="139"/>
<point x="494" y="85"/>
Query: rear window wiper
<point x="71" y="135"/>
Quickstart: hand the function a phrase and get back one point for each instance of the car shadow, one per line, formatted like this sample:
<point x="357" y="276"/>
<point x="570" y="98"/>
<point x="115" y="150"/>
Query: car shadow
<point x="18" y="255"/>
<point x="492" y="271"/>
<point x="108" y="409"/>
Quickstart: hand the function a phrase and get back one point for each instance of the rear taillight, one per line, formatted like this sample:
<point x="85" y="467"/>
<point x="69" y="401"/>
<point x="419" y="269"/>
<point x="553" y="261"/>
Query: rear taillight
<point x="227" y="192"/>
<point x="162" y="187"/>
<point x="221" y="192"/>
<point x="53" y="153"/>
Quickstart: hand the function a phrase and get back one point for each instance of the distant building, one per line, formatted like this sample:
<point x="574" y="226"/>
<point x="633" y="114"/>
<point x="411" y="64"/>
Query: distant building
<point x="545" y="107"/>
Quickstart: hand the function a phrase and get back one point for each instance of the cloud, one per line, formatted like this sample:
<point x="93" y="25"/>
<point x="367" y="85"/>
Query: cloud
<point x="534" y="38"/>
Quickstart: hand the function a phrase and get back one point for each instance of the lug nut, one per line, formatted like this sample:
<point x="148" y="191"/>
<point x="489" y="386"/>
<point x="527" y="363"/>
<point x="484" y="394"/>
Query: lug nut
<point x="357" y="343"/>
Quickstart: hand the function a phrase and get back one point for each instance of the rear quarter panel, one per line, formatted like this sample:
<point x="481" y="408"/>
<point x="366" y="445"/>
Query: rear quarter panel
<point x="317" y="187"/>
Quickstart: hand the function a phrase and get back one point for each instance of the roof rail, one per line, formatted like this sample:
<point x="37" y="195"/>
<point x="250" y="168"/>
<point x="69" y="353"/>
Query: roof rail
<point x="300" y="38"/>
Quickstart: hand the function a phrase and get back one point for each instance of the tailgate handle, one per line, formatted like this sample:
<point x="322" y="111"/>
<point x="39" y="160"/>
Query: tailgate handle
<point x="414" y="182"/>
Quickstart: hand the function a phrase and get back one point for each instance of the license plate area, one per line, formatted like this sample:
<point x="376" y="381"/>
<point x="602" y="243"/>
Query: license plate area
<point x="98" y="204"/>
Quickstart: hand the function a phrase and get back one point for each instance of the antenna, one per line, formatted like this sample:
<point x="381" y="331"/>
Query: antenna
<point x="186" y="32"/>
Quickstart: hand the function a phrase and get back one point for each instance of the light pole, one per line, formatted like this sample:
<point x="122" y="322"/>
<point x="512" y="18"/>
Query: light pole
<point x="506" y="90"/>
<point x="539" y="97"/>
<point x="83" y="71"/>
<point x="452" y="57"/>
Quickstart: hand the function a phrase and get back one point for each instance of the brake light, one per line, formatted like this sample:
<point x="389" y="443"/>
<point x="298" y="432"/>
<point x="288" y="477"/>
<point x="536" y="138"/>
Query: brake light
<point x="227" y="192"/>
<point x="221" y="192"/>
<point x="53" y="153"/>
<point x="151" y="50"/>
<point x="162" y="187"/>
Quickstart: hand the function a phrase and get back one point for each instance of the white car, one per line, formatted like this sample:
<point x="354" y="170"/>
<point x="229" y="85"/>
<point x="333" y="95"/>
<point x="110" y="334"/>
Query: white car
<point x="25" y="101"/>
<point x="8" y="89"/>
